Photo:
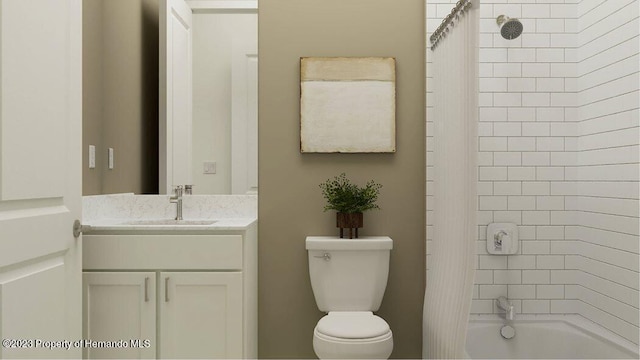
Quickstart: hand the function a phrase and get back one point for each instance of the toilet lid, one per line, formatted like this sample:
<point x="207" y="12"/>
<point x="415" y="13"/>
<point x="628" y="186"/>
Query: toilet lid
<point x="352" y="325"/>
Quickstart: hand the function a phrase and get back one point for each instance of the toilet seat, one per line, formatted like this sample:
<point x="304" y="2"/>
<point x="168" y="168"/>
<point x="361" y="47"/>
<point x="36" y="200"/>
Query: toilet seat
<point x="353" y="325"/>
<point x="377" y="339"/>
<point x="352" y="335"/>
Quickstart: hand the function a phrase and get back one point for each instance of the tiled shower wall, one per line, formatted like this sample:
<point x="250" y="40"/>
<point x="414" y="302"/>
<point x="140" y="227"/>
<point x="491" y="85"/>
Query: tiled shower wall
<point x="558" y="155"/>
<point x="604" y="241"/>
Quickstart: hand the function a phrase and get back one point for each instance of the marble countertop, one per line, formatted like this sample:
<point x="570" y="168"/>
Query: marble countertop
<point x="155" y="213"/>
<point x="111" y="225"/>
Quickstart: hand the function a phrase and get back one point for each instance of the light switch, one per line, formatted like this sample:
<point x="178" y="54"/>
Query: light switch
<point x="110" y="158"/>
<point x="92" y="156"/>
<point x="209" y="167"/>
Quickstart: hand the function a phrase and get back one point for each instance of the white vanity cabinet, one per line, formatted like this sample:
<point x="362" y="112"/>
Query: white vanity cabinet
<point x="200" y="315"/>
<point x="120" y="306"/>
<point x="192" y="294"/>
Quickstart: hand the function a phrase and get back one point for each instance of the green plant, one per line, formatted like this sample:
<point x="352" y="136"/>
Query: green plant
<point x="346" y="197"/>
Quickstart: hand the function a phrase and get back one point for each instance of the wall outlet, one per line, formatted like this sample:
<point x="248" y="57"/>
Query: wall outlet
<point x="209" y="167"/>
<point x="92" y="156"/>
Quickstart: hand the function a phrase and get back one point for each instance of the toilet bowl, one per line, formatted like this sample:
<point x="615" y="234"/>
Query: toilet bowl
<point x="348" y="278"/>
<point x="352" y="335"/>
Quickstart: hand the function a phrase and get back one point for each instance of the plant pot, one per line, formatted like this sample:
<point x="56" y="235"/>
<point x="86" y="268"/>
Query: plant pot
<point x="349" y="221"/>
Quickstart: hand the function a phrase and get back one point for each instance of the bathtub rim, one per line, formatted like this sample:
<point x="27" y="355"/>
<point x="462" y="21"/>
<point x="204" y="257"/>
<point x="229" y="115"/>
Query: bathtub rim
<point x="575" y="321"/>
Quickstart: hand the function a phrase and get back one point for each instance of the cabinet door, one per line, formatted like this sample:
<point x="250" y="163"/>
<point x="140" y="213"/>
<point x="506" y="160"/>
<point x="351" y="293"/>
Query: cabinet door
<point x="120" y="306"/>
<point x="200" y="315"/>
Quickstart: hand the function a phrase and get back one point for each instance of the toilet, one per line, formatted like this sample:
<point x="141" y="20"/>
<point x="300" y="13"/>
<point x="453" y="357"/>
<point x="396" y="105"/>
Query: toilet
<point x="349" y="277"/>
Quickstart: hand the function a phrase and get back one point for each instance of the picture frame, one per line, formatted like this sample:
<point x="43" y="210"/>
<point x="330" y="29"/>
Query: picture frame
<point x="347" y="105"/>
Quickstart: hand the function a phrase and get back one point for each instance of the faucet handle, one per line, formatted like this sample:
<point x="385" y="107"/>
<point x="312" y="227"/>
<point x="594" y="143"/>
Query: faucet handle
<point x="188" y="189"/>
<point x="498" y="239"/>
<point x="177" y="190"/>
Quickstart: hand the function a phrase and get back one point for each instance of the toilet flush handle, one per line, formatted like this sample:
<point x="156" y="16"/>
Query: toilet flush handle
<point x="325" y="256"/>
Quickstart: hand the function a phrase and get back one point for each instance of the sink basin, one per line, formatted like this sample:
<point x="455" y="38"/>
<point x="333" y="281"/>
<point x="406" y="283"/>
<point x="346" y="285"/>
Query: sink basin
<point x="170" y="222"/>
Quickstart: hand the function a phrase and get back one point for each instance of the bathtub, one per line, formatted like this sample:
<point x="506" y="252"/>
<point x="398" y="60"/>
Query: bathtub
<point x="545" y="337"/>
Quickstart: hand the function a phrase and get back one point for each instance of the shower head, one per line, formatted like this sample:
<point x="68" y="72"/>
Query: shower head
<point x="511" y="28"/>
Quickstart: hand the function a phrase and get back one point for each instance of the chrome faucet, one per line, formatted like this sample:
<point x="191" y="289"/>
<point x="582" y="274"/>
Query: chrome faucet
<point x="177" y="199"/>
<point x="506" y="305"/>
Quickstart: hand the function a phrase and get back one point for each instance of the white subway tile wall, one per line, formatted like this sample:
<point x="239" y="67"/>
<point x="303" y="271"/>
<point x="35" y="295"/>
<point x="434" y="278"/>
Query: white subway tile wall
<point x="559" y="155"/>
<point x="606" y="227"/>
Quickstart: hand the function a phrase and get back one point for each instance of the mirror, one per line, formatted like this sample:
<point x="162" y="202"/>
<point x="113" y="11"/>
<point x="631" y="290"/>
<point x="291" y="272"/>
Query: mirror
<point x="224" y="128"/>
<point x="121" y="102"/>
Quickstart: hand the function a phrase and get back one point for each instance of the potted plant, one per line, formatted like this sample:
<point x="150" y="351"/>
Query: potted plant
<point x="350" y="201"/>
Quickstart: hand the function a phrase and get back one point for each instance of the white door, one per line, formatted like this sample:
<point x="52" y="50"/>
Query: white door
<point x="120" y="305"/>
<point x="244" y="113"/>
<point x="40" y="175"/>
<point x="175" y="94"/>
<point x="200" y="315"/>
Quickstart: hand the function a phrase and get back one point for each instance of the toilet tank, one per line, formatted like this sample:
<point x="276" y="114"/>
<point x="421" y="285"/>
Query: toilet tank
<point x="348" y="274"/>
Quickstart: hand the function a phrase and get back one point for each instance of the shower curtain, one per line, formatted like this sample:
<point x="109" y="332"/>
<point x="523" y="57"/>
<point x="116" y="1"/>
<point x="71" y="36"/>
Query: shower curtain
<point x="453" y="249"/>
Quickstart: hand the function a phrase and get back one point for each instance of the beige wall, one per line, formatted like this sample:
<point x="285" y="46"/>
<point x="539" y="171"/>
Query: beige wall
<point x="91" y="94"/>
<point x="290" y="202"/>
<point x="120" y="95"/>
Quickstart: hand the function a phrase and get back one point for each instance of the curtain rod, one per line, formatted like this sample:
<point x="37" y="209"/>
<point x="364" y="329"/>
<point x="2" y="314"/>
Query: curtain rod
<point x="460" y="8"/>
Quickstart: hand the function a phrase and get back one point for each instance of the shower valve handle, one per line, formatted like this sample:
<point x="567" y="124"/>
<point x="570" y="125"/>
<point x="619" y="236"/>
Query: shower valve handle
<point x="498" y="239"/>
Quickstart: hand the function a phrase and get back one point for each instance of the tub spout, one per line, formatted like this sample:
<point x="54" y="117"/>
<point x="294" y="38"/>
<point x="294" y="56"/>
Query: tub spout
<point x="506" y="305"/>
<point x="510" y="314"/>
